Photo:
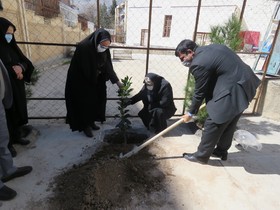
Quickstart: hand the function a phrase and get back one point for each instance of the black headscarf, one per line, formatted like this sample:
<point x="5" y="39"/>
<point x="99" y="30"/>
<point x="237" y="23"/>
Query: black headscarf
<point x="96" y="37"/>
<point x="4" y="25"/>
<point x="101" y="35"/>
<point x="156" y="79"/>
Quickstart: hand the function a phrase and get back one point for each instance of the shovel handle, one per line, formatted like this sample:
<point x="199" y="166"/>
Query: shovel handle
<point x="146" y="143"/>
<point x="137" y="149"/>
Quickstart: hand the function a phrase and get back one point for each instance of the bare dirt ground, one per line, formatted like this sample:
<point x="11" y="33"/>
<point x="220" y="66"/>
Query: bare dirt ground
<point x="106" y="181"/>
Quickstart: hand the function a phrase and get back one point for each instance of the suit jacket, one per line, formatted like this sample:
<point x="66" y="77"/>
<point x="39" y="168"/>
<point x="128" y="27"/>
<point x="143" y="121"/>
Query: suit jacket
<point x="6" y="94"/>
<point x="221" y="78"/>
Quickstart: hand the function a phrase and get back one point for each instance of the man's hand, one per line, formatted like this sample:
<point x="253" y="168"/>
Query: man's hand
<point x="187" y="118"/>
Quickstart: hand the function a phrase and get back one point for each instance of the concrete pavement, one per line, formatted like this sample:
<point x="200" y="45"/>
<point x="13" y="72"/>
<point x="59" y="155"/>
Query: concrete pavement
<point x="248" y="180"/>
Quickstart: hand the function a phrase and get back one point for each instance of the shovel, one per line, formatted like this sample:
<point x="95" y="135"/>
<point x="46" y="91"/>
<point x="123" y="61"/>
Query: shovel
<point x="146" y="143"/>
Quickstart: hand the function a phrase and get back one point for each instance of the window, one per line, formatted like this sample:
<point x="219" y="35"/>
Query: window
<point x="167" y="25"/>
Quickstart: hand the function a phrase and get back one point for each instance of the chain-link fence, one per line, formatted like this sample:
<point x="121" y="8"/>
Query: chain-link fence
<point x="144" y="33"/>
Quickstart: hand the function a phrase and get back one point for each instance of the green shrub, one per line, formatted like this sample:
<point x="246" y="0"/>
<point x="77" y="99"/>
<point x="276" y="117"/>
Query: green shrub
<point x="189" y="90"/>
<point x="227" y="34"/>
<point x="124" y="94"/>
<point x="34" y="78"/>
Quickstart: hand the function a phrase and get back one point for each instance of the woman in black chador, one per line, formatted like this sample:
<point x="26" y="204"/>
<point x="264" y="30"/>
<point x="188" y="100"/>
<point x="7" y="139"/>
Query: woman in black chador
<point x="20" y="69"/>
<point x="85" y="91"/>
<point x="157" y="97"/>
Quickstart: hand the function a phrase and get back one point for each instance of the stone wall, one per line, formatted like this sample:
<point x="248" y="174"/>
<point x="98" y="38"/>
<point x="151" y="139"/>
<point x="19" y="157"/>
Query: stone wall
<point x="269" y="104"/>
<point x="35" y="28"/>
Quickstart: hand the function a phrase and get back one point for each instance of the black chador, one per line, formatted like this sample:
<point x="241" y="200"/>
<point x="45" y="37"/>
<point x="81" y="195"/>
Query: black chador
<point x="11" y="55"/>
<point x="85" y="91"/>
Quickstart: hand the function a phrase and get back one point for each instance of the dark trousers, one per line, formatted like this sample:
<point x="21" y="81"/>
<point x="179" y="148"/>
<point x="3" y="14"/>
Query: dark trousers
<point x="155" y="118"/>
<point x="13" y="126"/>
<point x="216" y="135"/>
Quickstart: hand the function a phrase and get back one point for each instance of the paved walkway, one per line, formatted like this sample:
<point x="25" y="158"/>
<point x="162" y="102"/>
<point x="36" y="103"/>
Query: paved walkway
<point x="248" y="180"/>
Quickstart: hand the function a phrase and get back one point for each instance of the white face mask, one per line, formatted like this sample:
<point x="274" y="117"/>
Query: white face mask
<point x="8" y="37"/>
<point x="150" y="87"/>
<point x="101" y="48"/>
<point x="186" y="63"/>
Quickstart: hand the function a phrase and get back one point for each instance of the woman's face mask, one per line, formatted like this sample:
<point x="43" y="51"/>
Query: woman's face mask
<point x="149" y="83"/>
<point x="8" y="37"/>
<point x="101" y="48"/>
<point x="150" y="87"/>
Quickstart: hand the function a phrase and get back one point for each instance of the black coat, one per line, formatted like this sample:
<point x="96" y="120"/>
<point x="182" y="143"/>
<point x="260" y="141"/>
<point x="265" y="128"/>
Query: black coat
<point x="11" y="55"/>
<point x="85" y="91"/>
<point x="221" y="78"/>
<point x="161" y="95"/>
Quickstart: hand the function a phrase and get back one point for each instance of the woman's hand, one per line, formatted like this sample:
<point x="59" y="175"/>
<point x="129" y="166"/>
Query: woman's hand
<point x="120" y="85"/>
<point x="19" y="72"/>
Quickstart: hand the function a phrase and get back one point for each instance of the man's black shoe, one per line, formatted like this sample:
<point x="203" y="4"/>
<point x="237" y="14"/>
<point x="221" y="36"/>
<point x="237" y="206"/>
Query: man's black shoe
<point x="12" y="150"/>
<point x="95" y="127"/>
<point x="21" y="171"/>
<point x="222" y="155"/>
<point x="22" y="141"/>
<point x="192" y="158"/>
<point x="88" y="132"/>
<point x="7" y="193"/>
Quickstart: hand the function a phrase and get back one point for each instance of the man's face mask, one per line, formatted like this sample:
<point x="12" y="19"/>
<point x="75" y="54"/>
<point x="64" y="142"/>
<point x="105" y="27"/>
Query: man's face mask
<point x="186" y="58"/>
<point x="187" y="63"/>
<point x="101" y="48"/>
<point x="8" y="37"/>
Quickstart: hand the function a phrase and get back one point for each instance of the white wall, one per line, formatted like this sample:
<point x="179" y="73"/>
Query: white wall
<point x="257" y="16"/>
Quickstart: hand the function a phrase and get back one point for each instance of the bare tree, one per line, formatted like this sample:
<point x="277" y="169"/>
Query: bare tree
<point x="90" y="12"/>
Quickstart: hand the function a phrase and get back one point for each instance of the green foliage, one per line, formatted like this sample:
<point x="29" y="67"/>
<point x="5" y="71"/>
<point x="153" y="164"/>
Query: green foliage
<point x="227" y="34"/>
<point x="189" y="90"/>
<point x="34" y="78"/>
<point x="124" y="92"/>
<point x="104" y="16"/>
<point x="107" y="17"/>
<point x="201" y="117"/>
<point x="112" y="9"/>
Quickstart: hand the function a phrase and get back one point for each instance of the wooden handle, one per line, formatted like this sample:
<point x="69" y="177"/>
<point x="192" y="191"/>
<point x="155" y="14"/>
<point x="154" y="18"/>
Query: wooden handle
<point x="146" y="143"/>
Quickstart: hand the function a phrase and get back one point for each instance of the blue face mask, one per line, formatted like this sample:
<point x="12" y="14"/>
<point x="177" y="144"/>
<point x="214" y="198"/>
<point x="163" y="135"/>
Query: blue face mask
<point x="8" y="37"/>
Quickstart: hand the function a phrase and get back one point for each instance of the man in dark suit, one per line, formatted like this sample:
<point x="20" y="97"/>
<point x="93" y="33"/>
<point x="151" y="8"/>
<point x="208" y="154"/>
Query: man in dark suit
<point x="227" y="84"/>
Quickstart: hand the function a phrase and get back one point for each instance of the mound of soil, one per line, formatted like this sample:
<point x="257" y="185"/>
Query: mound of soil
<point x="106" y="181"/>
